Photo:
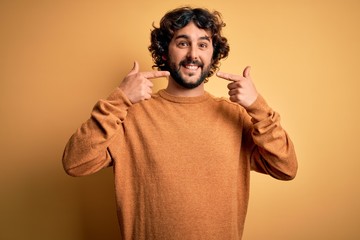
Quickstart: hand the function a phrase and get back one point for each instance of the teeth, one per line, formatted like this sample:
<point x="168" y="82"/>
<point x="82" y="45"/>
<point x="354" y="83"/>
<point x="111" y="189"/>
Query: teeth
<point x="191" y="67"/>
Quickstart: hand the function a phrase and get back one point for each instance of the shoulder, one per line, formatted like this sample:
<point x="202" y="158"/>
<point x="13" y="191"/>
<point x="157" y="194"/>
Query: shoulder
<point x="225" y="103"/>
<point x="227" y="108"/>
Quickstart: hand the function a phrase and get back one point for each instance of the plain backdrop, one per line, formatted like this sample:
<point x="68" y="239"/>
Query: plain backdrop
<point x="57" y="58"/>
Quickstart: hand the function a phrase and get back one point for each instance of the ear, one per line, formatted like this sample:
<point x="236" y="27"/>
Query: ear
<point x="164" y="57"/>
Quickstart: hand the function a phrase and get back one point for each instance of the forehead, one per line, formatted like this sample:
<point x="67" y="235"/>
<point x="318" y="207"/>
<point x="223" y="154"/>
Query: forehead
<point x="191" y="31"/>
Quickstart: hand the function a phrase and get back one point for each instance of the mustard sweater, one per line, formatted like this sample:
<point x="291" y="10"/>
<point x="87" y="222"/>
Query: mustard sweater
<point x="181" y="164"/>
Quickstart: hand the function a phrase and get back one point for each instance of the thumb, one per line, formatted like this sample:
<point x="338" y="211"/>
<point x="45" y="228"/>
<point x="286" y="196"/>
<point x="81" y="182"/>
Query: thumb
<point x="135" y="68"/>
<point x="246" y="72"/>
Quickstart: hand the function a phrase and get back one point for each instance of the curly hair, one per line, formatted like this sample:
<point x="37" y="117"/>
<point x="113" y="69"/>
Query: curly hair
<point x="179" y="18"/>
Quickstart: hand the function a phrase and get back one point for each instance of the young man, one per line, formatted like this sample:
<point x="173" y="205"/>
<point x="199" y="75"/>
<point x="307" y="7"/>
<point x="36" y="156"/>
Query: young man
<point x="181" y="157"/>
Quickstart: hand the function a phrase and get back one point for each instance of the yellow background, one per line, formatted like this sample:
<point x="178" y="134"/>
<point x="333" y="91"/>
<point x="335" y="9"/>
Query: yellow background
<point x="57" y="58"/>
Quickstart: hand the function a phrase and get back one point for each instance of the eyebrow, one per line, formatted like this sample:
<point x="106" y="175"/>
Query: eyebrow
<point x="187" y="37"/>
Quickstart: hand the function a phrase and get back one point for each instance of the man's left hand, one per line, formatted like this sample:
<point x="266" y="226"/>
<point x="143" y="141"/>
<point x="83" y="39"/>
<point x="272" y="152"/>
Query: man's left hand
<point x="241" y="89"/>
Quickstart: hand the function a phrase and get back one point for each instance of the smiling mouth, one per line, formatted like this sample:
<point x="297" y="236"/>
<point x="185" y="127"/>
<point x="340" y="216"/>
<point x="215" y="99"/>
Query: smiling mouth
<point x="191" y="67"/>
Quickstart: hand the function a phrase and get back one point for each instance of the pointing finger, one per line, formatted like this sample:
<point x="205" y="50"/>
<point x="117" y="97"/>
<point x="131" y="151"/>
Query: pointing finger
<point x="155" y="74"/>
<point x="228" y="76"/>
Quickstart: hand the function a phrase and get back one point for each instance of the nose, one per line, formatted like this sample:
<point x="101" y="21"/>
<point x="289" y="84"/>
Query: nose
<point x="192" y="53"/>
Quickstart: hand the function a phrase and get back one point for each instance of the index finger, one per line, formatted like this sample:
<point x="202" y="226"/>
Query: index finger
<point x="228" y="76"/>
<point x="155" y="74"/>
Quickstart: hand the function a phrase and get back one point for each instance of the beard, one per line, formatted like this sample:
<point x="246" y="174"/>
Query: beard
<point x="175" y="73"/>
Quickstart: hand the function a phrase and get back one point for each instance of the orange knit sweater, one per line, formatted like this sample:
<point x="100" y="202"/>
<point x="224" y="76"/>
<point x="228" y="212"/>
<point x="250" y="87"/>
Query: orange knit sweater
<point x="182" y="165"/>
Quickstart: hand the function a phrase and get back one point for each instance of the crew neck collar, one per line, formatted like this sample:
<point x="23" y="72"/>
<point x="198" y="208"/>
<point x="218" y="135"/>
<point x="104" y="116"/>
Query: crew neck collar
<point x="181" y="99"/>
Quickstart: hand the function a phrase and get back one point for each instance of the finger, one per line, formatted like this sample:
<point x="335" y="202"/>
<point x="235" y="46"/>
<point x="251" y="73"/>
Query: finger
<point x="155" y="74"/>
<point x="234" y="85"/>
<point x="147" y="96"/>
<point x="228" y="76"/>
<point x="246" y="72"/>
<point x="135" y="68"/>
<point x="234" y="91"/>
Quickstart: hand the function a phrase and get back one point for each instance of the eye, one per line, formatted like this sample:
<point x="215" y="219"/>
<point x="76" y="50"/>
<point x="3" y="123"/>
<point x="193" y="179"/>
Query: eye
<point x="203" y="45"/>
<point x="182" y="44"/>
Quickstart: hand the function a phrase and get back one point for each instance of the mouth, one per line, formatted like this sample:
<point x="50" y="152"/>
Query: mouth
<point x="192" y="67"/>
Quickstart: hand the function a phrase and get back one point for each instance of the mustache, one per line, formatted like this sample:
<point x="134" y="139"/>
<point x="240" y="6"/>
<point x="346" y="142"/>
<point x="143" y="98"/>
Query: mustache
<point x="191" y="61"/>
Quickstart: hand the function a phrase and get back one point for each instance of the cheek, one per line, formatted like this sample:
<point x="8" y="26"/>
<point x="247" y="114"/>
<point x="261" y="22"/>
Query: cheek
<point x="208" y="59"/>
<point x="177" y="58"/>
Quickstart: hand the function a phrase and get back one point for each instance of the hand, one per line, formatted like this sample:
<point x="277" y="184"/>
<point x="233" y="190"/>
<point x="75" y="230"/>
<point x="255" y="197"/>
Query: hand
<point x="137" y="86"/>
<point x="241" y="89"/>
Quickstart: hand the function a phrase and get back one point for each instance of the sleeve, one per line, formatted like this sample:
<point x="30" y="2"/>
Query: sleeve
<point x="86" y="152"/>
<point x="272" y="151"/>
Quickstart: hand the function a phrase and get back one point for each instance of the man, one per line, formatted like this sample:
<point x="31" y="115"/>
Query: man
<point x="181" y="157"/>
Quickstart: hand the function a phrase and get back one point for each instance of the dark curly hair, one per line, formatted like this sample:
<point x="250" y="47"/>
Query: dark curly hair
<point x="179" y="18"/>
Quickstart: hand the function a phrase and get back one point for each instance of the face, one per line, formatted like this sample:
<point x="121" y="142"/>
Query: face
<point x="190" y="56"/>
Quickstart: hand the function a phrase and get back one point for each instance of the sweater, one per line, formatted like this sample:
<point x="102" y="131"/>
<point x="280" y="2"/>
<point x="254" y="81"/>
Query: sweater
<point x="181" y="164"/>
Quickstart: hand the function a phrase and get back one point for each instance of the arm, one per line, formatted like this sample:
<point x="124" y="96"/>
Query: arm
<point x="272" y="151"/>
<point x="87" y="150"/>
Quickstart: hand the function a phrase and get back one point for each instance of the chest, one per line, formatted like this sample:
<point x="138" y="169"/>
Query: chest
<point x="191" y="134"/>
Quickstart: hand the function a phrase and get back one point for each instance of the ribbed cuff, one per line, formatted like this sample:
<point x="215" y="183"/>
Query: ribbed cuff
<point x="259" y="110"/>
<point x="119" y="97"/>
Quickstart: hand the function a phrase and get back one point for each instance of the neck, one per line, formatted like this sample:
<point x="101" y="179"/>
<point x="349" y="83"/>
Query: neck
<point x="175" y="89"/>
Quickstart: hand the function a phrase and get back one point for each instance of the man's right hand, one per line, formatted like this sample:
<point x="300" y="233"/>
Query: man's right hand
<point x="137" y="86"/>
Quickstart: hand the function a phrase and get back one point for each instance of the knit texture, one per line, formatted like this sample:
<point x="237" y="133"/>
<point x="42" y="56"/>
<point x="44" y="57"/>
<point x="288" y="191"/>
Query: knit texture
<point x="182" y="164"/>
